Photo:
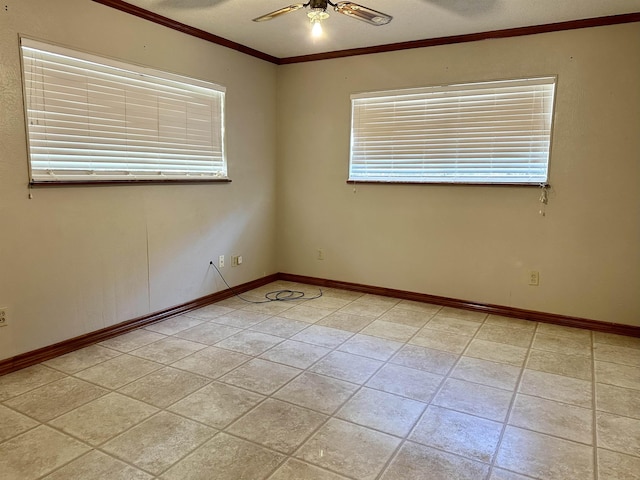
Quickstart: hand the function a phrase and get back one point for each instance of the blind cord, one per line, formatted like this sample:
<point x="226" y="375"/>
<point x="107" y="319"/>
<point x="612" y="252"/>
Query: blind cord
<point x="544" y="198"/>
<point x="275" y="296"/>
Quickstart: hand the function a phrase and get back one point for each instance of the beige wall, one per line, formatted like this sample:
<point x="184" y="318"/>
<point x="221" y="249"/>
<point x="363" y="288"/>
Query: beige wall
<point x="74" y="260"/>
<point x="475" y="242"/>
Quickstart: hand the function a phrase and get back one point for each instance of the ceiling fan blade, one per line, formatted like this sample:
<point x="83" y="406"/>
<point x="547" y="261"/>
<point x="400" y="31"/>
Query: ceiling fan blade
<point x="353" y="10"/>
<point x="277" y="13"/>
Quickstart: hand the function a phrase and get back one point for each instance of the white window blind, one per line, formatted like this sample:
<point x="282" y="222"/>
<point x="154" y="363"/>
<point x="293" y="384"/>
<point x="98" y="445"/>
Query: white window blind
<point x="96" y="119"/>
<point x="490" y="132"/>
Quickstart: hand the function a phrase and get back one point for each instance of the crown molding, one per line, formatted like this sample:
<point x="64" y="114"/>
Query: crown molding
<point x="470" y="37"/>
<point x="390" y="47"/>
<point x="181" y="27"/>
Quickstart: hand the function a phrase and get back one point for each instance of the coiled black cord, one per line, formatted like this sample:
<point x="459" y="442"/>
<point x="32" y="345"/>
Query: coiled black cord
<point x="275" y="296"/>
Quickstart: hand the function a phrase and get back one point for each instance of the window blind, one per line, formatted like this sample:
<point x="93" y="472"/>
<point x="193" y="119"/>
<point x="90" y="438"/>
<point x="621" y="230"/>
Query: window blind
<point x="92" y="118"/>
<point x="490" y="132"/>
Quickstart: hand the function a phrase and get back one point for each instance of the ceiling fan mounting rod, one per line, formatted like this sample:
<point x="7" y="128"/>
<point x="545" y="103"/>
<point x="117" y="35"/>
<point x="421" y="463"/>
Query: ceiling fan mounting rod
<point x="319" y="4"/>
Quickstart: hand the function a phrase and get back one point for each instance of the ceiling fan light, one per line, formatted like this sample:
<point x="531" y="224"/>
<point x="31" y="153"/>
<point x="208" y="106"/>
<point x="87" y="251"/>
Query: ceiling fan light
<point x="316" y="30"/>
<point x="317" y="15"/>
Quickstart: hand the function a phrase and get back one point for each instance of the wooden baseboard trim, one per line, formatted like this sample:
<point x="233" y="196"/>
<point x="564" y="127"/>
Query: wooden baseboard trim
<point x="532" y="315"/>
<point x="46" y="353"/>
<point x="42" y="354"/>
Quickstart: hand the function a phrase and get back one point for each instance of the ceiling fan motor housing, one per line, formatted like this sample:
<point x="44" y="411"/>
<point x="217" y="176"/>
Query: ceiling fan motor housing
<point x="318" y="5"/>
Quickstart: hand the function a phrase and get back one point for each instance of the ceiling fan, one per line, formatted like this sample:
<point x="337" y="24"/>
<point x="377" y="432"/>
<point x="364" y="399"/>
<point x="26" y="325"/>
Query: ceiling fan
<point x="318" y="12"/>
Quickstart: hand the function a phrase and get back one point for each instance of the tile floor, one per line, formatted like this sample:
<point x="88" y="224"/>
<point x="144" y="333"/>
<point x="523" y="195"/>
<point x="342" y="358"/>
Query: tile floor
<point x="347" y="386"/>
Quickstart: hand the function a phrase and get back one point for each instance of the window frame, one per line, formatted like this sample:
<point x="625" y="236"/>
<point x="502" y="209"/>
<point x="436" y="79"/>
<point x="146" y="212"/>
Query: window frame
<point x="210" y="151"/>
<point x="550" y="81"/>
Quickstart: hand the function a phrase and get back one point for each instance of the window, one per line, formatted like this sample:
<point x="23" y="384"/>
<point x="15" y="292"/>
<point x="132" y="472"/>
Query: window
<point x="491" y="132"/>
<point x="93" y="119"/>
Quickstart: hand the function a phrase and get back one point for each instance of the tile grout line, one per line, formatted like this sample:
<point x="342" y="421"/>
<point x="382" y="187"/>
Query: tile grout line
<point x="270" y="396"/>
<point x="360" y="388"/>
<point x="505" y="422"/>
<point x="210" y="381"/>
<point x="112" y="390"/>
<point x="445" y="377"/>
<point x="2" y="402"/>
<point x="332" y="415"/>
<point x="46" y="422"/>
<point x="594" y="406"/>
<point x="251" y="357"/>
<point x="329" y="416"/>
<point x="227" y="426"/>
<point x="165" y="410"/>
<point x="438" y="389"/>
<point x="100" y="447"/>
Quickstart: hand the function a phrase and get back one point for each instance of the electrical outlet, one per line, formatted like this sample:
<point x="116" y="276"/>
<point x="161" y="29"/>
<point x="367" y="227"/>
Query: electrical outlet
<point x="236" y="260"/>
<point x="221" y="261"/>
<point x="534" y="278"/>
<point x="320" y="254"/>
<point x="4" y="319"/>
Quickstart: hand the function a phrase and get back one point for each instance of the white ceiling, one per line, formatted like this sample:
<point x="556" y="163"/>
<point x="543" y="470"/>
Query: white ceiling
<point x="289" y="35"/>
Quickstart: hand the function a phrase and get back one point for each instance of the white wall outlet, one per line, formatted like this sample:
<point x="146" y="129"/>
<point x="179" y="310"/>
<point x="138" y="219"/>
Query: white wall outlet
<point x="320" y="254"/>
<point x="4" y="319"/>
<point x="221" y="261"/>
<point x="534" y="278"/>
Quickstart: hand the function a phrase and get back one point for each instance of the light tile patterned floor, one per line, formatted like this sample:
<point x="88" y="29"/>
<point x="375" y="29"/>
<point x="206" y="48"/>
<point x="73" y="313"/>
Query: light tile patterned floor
<point x="348" y="386"/>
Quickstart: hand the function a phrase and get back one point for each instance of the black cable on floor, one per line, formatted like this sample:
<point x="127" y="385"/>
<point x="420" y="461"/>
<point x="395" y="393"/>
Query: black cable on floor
<point x="275" y="296"/>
